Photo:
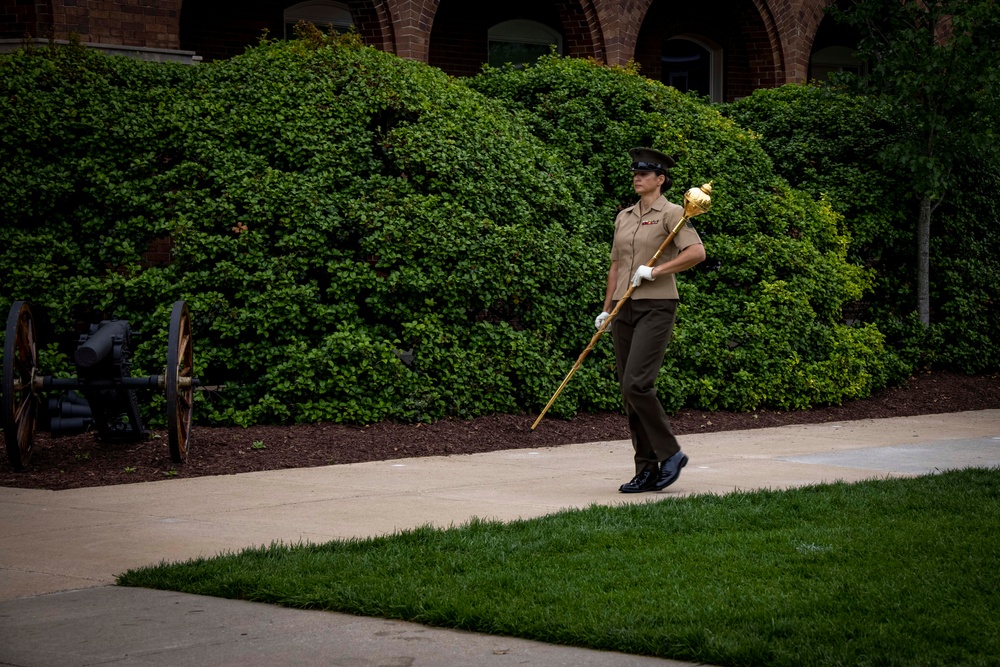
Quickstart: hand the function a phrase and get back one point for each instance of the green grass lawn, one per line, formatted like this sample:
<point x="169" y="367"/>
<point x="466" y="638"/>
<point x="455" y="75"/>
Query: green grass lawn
<point x="886" y="572"/>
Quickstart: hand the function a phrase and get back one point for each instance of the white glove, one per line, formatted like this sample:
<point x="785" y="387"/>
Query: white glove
<point x="642" y="273"/>
<point x="601" y="319"/>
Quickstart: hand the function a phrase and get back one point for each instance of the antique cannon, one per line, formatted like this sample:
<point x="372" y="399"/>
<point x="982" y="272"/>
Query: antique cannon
<point x="103" y="395"/>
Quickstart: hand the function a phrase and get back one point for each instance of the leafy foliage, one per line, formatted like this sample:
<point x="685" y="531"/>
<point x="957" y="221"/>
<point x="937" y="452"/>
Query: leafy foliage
<point x="330" y="206"/>
<point x="761" y="325"/>
<point x="930" y="64"/>
<point x="362" y="238"/>
<point x="828" y="142"/>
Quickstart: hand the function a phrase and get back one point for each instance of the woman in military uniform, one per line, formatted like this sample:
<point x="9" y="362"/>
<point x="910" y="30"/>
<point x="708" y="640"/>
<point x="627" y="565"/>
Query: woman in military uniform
<point x="643" y="327"/>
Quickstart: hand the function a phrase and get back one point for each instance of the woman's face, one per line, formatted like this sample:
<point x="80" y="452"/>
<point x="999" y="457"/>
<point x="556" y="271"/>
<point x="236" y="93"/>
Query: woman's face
<point x="646" y="182"/>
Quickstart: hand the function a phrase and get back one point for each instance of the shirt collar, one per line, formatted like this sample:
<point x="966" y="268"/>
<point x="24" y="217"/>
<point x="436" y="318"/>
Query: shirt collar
<point x="658" y="205"/>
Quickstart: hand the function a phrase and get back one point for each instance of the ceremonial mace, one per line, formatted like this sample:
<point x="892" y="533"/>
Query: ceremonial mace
<point x="696" y="202"/>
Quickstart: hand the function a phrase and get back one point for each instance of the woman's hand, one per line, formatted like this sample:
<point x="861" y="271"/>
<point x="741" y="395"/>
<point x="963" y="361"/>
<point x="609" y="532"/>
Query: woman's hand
<point x="642" y="273"/>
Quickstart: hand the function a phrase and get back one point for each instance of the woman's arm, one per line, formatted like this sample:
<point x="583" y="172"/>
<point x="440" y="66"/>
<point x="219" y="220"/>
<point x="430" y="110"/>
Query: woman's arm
<point x="685" y="259"/>
<point x="612" y="282"/>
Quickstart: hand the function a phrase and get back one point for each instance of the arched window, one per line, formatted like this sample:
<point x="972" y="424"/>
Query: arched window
<point x="833" y="48"/>
<point x="833" y="59"/>
<point x="321" y="13"/>
<point x="521" y="42"/>
<point x="691" y="63"/>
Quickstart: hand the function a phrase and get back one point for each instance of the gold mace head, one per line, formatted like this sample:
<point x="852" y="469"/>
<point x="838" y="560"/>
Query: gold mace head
<point x="697" y="200"/>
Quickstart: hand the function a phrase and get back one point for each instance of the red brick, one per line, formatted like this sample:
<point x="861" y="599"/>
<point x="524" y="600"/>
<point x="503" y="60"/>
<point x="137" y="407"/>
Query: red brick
<point x="765" y="42"/>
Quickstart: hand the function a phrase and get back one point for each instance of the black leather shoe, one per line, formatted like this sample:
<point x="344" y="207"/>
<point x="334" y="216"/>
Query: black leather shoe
<point x="644" y="481"/>
<point x="670" y="470"/>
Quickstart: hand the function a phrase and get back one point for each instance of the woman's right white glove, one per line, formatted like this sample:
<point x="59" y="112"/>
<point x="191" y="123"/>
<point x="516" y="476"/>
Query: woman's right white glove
<point x="642" y="273"/>
<point x="601" y="319"/>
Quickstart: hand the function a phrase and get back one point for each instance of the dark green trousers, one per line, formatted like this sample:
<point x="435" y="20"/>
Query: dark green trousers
<point x="641" y="332"/>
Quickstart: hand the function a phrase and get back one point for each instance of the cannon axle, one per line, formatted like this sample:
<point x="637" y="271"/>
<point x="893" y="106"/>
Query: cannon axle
<point x="146" y="382"/>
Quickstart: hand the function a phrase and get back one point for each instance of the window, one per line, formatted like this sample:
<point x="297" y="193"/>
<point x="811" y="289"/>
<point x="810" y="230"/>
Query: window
<point x="833" y="59"/>
<point x="521" y="42"/>
<point x="693" y="64"/>
<point x="320" y="13"/>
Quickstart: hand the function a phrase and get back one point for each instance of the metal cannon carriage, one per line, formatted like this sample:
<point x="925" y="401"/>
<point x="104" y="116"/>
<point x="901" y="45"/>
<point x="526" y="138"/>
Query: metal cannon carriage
<point x="103" y="395"/>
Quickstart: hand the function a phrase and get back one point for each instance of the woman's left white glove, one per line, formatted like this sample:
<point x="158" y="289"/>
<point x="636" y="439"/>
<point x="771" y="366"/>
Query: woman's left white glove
<point x="642" y="273"/>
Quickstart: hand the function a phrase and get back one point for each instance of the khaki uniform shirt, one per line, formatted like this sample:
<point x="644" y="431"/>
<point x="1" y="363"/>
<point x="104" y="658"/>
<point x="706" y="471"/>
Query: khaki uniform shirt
<point x="637" y="240"/>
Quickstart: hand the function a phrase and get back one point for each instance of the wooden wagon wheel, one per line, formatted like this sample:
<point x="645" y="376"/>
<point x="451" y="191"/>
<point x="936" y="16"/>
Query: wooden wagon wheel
<point x="19" y="410"/>
<point x="179" y="385"/>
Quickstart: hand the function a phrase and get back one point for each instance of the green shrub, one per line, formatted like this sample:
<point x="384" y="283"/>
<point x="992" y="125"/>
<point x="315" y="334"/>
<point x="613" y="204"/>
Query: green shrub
<point x="363" y="238"/>
<point x="828" y="143"/>
<point x="764" y="328"/>
<point x="331" y="206"/>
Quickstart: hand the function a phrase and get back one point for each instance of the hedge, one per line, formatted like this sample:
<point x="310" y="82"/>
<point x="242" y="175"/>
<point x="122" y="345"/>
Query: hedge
<point x="828" y="143"/>
<point x="363" y="238"/>
<point x="761" y="322"/>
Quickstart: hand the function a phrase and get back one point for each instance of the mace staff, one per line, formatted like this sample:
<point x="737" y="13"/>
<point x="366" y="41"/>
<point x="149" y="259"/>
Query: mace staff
<point x="696" y="201"/>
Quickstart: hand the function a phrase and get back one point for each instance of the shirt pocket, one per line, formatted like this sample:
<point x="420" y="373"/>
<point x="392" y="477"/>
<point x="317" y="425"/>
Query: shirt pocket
<point x="648" y="239"/>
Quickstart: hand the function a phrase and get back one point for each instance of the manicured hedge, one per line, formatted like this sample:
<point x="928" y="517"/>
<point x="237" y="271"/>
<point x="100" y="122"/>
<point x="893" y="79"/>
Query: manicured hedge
<point x="363" y="238"/>
<point x="761" y="321"/>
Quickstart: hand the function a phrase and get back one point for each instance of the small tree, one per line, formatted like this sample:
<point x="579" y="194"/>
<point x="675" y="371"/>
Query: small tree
<point x="935" y="63"/>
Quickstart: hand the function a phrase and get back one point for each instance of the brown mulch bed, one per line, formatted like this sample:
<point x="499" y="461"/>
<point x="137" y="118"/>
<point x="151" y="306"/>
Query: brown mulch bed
<point x="83" y="461"/>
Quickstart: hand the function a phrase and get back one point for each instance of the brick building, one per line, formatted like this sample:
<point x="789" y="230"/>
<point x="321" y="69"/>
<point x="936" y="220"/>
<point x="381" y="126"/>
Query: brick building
<point x="721" y="48"/>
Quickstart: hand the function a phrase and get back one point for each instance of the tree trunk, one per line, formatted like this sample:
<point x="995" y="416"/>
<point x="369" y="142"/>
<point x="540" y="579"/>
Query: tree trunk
<point x="924" y="262"/>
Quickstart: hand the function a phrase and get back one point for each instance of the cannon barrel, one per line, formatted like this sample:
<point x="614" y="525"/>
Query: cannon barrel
<point x="67" y="409"/>
<point x="100" y="343"/>
<point x="70" y="425"/>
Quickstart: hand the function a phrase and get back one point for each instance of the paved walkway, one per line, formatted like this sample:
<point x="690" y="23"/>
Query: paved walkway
<point x="61" y="550"/>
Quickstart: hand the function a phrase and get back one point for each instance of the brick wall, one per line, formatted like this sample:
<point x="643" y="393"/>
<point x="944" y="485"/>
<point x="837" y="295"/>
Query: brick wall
<point x="159" y="252"/>
<point x="19" y="18"/>
<point x="620" y="22"/>
<point x="765" y="42"/>
<point x="374" y="24"/>
<point x="797" y="22"/>
<point x="581" y="29"/>
<point x="145" y="23"/>
<point x="414" y="20"/>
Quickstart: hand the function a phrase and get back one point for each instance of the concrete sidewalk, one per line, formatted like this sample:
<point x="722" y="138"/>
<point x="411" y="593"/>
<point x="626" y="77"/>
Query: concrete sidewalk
<point x="60" y="550"/>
